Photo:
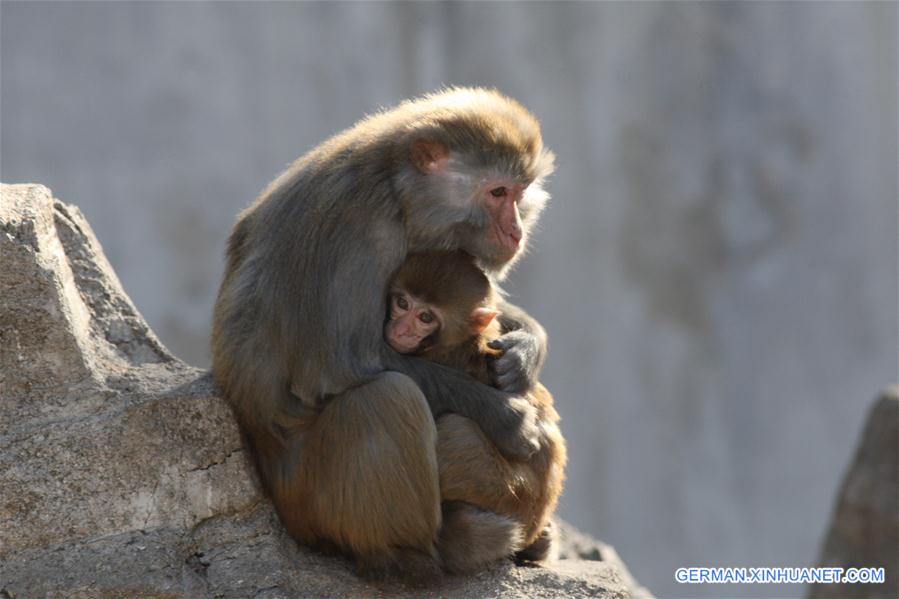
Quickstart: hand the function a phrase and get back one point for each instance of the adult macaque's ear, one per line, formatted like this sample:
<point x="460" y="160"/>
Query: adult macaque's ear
<point x="428" y="155"/>
<point x="481" y="318"/>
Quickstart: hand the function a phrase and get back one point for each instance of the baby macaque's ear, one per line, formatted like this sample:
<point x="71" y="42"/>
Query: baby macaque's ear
<point x="481" y="318"/>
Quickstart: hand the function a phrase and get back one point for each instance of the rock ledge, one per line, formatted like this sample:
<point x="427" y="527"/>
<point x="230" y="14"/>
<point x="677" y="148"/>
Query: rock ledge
<point x="121" y="471"/>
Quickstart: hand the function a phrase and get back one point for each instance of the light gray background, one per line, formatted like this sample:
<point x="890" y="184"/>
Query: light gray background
<point x="717" y="269"/>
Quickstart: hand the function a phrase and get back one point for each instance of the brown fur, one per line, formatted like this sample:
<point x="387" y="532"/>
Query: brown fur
<point x="472" y="538"/>
<point x="471" y="469"/>
<point x="342" y="428"/>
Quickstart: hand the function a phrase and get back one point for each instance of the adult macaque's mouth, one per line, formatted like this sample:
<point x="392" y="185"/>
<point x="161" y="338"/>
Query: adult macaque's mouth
<point x="508" y="240"/>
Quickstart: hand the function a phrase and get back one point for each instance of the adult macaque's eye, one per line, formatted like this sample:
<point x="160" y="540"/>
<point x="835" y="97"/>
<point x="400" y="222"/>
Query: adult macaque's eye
<point x="498" y="192"/>
<point x="401" y="303"/>
<point x="426" y="317"/>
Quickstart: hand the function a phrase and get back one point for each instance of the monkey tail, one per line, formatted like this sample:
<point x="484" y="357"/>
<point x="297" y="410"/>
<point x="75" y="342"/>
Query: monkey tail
<point x="472" y="538"/>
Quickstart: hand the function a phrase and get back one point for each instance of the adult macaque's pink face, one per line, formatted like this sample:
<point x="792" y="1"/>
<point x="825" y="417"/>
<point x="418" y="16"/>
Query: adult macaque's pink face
<point x="411" y="321"/>
<point x="497" y="198"/>
<point x="501" y="199"/>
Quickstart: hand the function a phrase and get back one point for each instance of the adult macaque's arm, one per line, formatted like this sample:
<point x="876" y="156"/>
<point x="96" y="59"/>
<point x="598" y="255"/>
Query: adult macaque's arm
<point x="508" y="421"/>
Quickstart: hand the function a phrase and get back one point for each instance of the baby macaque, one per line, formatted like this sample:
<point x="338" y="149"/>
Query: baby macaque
<point x="442" y="307"/>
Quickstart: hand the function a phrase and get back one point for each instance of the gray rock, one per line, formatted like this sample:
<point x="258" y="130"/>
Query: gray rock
<point x="121" y="471"/>
<point x="576" y="545"/>
<point x="864" y="531"/>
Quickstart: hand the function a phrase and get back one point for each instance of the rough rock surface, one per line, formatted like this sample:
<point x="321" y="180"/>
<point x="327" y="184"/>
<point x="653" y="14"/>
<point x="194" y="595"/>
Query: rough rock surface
<point x="864" y="531"/>
<point x="121" y="471"/>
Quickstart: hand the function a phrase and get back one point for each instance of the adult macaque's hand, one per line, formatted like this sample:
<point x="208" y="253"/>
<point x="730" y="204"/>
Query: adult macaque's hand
<point x="516" y="370"/>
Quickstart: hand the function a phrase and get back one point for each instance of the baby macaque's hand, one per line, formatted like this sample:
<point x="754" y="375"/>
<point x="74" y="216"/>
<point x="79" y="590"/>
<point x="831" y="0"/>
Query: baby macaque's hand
<point x="515" y="371"/>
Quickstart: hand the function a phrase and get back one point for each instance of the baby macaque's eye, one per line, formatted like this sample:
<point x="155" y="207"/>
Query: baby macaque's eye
<point x="498" y="192"/>
<point x="401" y="303"/>
<point x="426" y="317"/>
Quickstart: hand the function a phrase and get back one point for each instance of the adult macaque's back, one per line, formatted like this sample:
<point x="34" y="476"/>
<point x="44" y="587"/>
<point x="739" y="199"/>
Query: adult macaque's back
<point x="341" y="425"/>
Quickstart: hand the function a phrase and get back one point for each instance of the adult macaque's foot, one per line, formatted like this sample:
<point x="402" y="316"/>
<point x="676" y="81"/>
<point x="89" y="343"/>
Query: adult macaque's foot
<point x="542" y="549"/>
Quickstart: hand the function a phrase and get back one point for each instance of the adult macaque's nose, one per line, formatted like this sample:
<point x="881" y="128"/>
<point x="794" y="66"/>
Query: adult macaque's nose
<point x="512" y="225"/>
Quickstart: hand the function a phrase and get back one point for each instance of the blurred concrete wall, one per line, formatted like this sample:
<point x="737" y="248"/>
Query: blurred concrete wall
<point x="717" y="270"/>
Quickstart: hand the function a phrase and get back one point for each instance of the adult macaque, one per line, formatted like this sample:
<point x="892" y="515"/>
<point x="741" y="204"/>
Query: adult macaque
<point x="341" y="425"/>
<point x="442" y="307"/>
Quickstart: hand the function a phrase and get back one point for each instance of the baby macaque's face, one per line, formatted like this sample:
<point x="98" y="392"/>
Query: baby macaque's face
<point x="411" y="322"/>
